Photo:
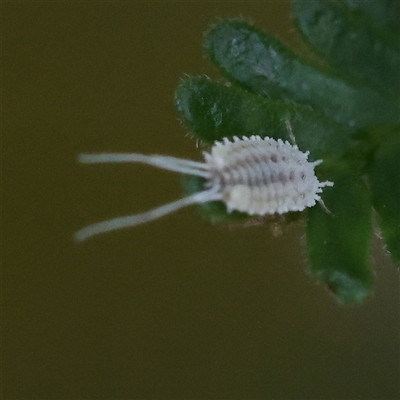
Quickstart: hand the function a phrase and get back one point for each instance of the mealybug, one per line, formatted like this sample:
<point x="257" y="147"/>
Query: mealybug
<point x="255" y="175"/>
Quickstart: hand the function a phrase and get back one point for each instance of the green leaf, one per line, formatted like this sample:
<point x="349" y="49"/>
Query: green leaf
<point x="347" y="118"/>
<point x="213" y="111"/>
<point x="338" y="240"/>
<point x="348" y="43"/>
<point x="263" y="65"/>
<point x="384" y="177"/>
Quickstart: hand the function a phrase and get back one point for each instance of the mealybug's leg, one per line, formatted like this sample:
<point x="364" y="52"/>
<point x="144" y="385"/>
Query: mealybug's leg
<point x="290" y="130"/>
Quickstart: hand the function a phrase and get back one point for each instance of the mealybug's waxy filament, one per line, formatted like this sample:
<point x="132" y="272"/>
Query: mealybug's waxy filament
<point x="255" y="175"/>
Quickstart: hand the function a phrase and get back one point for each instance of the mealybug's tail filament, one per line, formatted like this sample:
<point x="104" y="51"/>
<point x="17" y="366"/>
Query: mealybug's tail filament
<point x="164" y="162"/>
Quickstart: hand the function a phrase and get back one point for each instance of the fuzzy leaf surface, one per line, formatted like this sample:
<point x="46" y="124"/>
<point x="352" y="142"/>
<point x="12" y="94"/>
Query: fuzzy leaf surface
<point x="347" y="42"/>
<point x="213" y="111"/>
<point x="261" y="64"/>
<point x="383" y="15"/>
<point x="384" y="176"/>
<point x="339" y="240"/>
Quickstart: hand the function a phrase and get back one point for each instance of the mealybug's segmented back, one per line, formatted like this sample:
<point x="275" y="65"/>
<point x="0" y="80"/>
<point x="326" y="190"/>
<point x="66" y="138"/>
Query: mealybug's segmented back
<point x="262" y="176"/>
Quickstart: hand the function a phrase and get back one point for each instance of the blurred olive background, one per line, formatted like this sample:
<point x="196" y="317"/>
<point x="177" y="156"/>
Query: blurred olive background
<point x="176" y="309"/>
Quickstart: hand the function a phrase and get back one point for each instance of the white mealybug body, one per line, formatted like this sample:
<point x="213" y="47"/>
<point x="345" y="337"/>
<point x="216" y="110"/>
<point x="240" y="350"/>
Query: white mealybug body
<point x="258" y="176"/>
